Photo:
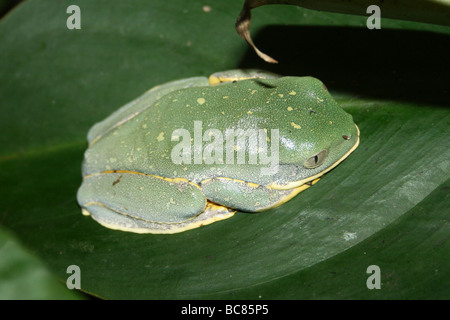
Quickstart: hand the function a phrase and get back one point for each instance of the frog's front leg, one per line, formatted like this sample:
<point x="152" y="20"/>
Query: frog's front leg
<point x="143" y="203"/>
<point x="247" y="196"/>
<point x="240" y="74"/>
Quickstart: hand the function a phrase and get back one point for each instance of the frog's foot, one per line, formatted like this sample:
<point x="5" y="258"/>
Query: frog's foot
<point x="247" y="196"/>
<point x="143" y="203"/>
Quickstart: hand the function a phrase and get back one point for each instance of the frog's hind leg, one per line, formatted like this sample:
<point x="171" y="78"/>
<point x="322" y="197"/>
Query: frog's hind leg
<point x="246" y="196"/>
<point x="143" y="203"/>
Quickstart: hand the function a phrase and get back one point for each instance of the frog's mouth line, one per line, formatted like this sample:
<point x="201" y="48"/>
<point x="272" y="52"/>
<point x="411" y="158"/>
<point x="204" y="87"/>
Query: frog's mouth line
<point x="296" y="184"/>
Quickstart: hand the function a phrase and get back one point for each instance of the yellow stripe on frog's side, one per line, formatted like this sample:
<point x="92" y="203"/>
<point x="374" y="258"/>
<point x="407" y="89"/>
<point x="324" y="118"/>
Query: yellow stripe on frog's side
<point x="173" y="180"/>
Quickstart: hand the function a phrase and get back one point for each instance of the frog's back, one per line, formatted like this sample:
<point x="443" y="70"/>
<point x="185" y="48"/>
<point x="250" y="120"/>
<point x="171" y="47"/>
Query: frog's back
<point x="145" y="142"/>
<point x="168" y="138"/>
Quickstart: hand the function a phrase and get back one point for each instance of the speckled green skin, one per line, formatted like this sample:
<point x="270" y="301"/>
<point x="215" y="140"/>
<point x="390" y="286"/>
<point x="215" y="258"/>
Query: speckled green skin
<point x="322" y="124"/>
<point x="137" y="138"/>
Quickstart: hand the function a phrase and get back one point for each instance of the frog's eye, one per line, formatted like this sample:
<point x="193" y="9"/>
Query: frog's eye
<point x="315" y="160"/>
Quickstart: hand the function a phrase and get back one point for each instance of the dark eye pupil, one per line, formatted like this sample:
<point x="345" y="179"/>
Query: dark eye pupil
<point x="316" y="160"/>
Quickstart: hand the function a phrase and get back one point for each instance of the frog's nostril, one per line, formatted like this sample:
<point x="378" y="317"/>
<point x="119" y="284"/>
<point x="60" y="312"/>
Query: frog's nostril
<point x="316" y="160"/>
<point x="346" y="137"/>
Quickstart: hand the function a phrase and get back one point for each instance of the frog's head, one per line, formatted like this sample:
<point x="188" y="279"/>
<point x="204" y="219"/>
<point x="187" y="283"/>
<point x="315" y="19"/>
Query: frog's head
<point x="315" y="135"/>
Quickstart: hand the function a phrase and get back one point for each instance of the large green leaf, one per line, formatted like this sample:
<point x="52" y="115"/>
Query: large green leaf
<point x="386" y="205"/>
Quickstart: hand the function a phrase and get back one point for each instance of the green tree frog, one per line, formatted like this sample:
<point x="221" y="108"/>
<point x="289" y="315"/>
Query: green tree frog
<point x="194" y="151"/>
